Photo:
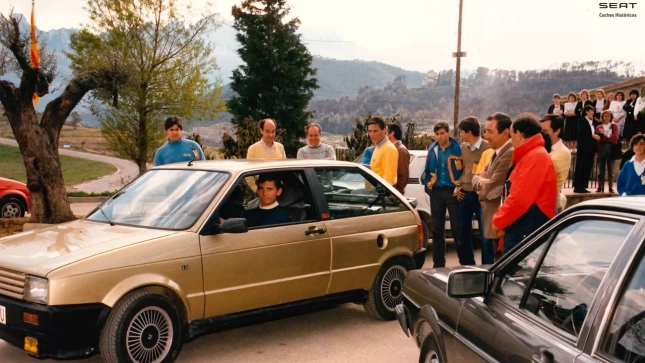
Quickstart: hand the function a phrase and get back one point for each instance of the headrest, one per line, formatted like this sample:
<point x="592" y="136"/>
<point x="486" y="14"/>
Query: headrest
<point x="292" y="195"/>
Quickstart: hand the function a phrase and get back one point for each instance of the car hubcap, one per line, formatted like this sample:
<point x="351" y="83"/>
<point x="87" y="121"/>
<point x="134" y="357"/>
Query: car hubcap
<point x="392" y="285"/>
<point x="11" y="210"/>
<point x="431" y="357"/>
<point x="149" y="335"/>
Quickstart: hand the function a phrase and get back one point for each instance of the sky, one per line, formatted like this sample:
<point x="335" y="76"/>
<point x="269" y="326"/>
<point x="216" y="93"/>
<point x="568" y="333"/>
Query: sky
<point x="422" y="34"/>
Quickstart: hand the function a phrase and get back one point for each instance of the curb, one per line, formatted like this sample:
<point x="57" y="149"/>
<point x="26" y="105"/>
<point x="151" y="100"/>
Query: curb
<point x="87" y="199"/>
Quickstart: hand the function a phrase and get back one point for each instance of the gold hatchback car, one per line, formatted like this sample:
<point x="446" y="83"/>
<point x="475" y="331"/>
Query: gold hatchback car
<point x="187" y="246"/>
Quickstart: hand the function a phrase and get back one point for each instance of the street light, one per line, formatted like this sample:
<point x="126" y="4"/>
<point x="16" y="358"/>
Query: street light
<point x="458" y="54"/>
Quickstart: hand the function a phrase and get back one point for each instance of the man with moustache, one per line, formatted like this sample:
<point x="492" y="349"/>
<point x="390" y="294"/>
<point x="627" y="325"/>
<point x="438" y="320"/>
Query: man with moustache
<point x="490" y="183"/>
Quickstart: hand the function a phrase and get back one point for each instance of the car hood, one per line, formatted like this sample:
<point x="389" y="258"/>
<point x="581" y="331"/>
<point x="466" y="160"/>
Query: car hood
<point x="41" y="251"/>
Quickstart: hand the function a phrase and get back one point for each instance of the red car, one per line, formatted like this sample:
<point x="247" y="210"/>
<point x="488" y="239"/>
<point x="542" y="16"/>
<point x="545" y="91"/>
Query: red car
<point x="14" y="198"/>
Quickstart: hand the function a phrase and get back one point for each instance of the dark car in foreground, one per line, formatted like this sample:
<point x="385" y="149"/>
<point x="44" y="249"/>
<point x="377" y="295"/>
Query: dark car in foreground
<point x="573" y="292"/>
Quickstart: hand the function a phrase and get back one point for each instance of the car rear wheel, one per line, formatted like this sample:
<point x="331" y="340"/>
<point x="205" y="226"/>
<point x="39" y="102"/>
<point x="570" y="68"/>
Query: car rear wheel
<point x="386" y="292"/>
<point x="143" y="327"/>
<point x="430" y="351"/>
<point x="11" y="207"/>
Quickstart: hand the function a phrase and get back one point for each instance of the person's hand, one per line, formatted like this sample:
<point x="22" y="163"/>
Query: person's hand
<point x="597" y="137"/>
<point x="483" y="182"/>
<point x="499" y="233"/>
<point x="459" y="194"/>
<point x="483" y="174"/>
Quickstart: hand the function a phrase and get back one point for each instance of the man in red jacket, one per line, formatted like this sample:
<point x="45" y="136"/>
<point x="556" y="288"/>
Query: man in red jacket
<point x="531" y="189"/>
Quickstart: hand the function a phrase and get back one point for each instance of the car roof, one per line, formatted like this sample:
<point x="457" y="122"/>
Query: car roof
<point x="631" y="204"/>
<point x="418" y="152"/>
<point x="241" y="165"/>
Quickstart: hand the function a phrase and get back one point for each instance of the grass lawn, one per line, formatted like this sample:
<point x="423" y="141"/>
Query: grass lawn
<point x="75" y="170"/>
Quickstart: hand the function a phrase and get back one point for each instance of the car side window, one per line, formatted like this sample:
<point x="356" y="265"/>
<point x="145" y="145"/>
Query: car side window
<point x="417" y="167"/>
<point x="625" y="336"/>
<point x="570" y="273"/>
<point x="294" y="200"/>
<point x="351" y="192"/>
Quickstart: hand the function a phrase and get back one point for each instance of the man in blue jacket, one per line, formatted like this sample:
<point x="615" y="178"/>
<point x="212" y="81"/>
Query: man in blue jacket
<point x="177" y="149"/>
<point x="443" y="169"/>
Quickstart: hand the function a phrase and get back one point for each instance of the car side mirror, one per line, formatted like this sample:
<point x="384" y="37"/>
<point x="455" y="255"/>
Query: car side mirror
<point x="413" y="202"/>
<point x="234" y="225"/>
<point x="471" y="282"/>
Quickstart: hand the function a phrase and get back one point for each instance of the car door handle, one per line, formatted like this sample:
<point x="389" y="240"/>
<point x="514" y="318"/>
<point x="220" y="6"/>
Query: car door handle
<point x="544" y="356"/>
<point x="315" y="231"/>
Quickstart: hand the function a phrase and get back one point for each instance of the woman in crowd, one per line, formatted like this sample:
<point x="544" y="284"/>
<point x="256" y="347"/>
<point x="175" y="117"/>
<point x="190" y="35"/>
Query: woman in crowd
<point x="599" y="105"/>
<point x="610" y="98"/>
<point x="556" y="107"/>
<point x="570" y="121"/>
<point x="616" y="107"/>
<point x="639" y="114"/>
<point x="631" y="128"/>
<point x="631" y="180"/>
<point x="608" y="133"/>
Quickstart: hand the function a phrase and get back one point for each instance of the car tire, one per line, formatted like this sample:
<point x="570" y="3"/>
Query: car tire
<point x="430" y="351"/>
<point x="12" y="207"/>
<point x="152" y="325"/>
<point x="426" y="233"/>
<point x="386" y="291"/>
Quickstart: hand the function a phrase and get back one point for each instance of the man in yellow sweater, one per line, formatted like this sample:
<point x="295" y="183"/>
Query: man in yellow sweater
<point x="267" y="147"/>
<point x="385" y="158"/>
<point x="560" y="154"/>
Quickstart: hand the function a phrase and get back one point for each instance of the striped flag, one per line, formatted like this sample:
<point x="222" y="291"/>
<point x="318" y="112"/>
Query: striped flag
<point x="35" y="58"/>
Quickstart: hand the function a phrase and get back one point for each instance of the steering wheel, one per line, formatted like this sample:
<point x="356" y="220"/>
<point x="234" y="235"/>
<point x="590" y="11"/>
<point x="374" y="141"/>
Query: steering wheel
<point x="588" y="285"/>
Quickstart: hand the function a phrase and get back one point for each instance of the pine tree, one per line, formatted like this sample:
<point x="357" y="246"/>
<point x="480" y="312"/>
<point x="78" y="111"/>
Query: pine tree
<point x="276" y="79"/>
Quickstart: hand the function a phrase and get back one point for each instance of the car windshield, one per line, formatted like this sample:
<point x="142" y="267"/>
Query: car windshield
<point x="169" y="199"/>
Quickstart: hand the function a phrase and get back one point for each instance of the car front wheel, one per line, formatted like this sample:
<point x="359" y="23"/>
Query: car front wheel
<point x="143" y="327"/>
<point x="11" y="208"/>
<point x="386" y="292"/>
<point x="430" y="351"/>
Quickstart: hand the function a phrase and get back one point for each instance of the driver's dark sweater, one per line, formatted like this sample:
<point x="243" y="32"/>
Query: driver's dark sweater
<point x="257" y="217"/>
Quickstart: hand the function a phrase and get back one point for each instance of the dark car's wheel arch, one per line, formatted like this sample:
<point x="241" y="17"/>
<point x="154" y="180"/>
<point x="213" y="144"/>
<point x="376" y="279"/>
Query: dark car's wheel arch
<point x="428" y="316"/>
<point x="431" y="344"/>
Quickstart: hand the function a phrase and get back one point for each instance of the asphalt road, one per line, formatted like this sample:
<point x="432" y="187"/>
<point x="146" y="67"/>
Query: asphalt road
<point x="126" y="170"/>
<point x="339" y="335"/>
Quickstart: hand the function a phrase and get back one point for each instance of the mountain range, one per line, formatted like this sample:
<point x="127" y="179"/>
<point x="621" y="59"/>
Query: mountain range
<point x="336" y="77"/>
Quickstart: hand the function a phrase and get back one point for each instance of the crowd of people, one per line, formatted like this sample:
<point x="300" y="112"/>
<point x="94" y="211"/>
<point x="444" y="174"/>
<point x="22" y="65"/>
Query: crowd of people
<point x="509" y="179"/>
<point x="598" y="128"/>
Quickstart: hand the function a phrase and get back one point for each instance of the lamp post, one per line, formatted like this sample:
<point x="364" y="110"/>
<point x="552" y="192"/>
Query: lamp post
<point x="458" y="54"/>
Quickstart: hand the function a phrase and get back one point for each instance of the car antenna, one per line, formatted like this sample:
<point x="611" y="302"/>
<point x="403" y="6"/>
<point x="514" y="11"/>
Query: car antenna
<point x="195" y="154"/>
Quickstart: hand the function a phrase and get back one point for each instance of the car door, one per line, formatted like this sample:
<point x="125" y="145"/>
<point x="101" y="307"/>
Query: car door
<point x="542" y="294"/>
<point x="618" y="332"/>
<point x="365" y="224"/>
<point x="267" y="265"/>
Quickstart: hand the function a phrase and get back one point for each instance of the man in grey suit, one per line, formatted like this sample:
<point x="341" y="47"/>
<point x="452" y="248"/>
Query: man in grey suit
<point x="490" y="183"/>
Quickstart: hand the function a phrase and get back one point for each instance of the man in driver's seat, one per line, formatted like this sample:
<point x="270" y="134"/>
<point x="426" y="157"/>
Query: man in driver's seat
<point x="268" y="211"/>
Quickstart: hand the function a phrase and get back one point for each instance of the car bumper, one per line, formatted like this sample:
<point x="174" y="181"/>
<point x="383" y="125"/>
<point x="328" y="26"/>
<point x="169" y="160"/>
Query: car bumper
<point x="419" y="258"/>
<point x="61" y="332"/>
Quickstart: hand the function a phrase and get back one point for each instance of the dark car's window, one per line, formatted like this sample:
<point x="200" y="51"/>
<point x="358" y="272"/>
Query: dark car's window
<point x="350" y="192"/>
<point x="625" y="335"/>
<point x="570" y="273"/>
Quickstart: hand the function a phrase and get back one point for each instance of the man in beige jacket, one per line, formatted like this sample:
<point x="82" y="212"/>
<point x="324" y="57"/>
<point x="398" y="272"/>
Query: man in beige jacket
<point x="490" y="183"/>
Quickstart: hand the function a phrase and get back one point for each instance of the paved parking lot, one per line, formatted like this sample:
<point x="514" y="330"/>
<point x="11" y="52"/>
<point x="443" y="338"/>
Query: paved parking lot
<point x="340" y="335"/>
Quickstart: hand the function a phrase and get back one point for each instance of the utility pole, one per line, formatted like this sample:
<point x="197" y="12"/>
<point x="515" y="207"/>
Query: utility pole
<point x="458" y="54"/>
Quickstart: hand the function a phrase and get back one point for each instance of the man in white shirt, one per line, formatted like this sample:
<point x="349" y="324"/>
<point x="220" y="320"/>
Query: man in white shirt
<point x="560" y="154"/>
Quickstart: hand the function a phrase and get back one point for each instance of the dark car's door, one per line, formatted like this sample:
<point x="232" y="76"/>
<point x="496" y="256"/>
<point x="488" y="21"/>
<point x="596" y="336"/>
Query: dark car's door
<point x="542" y="294"/>
<point x="618" y="332"/>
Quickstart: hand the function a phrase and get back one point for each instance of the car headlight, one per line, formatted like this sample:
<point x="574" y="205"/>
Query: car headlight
<point x="36" y="289"/>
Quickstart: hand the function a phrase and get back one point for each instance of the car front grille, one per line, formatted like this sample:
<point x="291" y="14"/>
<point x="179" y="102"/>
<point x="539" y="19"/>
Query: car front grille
<point x="12" y="283"/>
